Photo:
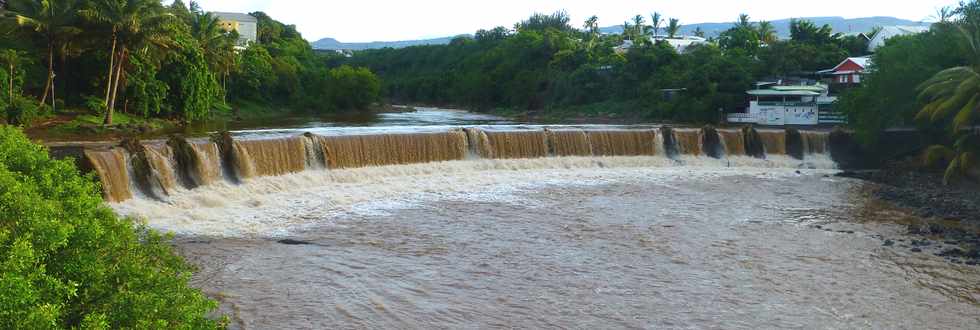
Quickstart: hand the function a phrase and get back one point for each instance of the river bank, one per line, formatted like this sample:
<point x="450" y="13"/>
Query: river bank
<point x="948" y="222"/>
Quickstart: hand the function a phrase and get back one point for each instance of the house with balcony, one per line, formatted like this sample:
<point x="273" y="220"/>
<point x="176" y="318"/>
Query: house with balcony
<point x="774" y="104"/>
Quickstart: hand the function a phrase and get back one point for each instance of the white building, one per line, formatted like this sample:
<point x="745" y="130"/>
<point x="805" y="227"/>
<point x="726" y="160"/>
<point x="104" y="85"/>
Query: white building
<point x="889" y="32"/>
<point x="246" y="25"/>
<point x="682" y="44"/>
<point x="788" y="105"/>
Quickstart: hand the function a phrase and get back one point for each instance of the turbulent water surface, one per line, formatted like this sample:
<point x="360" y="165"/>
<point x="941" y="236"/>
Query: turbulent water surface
<point x="460" y="224"/>
<point x="598" y="248"/>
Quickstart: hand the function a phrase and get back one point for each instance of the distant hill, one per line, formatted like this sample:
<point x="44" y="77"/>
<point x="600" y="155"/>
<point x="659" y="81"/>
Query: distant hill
<point x="334" y="44"/>
<point x="839" y="24"/>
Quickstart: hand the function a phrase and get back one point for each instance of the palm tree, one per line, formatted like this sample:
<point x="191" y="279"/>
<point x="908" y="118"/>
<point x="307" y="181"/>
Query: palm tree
<point x="955" y="93"/>
<point x="627" y="31"/>
<point x="592" y="30"/>
<point x="698" y="32"/>
<point x="673" y="27"/>
<point x="767" y="33"/>
<point x="744" y="21"/>
<point x="54" y="20"/>
<point x="639" y="23"/>
<point x="218" y="45"/>
<point x="656" y="21"/>
<point x="133" y="23"/>
<point x="12" y="58"/>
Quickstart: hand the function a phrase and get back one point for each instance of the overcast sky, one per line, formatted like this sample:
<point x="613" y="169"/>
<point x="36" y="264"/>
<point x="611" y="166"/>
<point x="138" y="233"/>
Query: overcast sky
<point x="377" y="20"/>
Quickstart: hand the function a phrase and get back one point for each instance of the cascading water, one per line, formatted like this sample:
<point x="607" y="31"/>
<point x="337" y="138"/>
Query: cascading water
<point x="514" y="144"/>
<point x="569" y="142"/>
<point x="688" y="141"/>
<point x="733" y="142"/>
<point x="815" y="142"/>
<point x="774" y="141"/>
<point x="191" y="164"/>
<point x="207" y="167"/>
<point x="163" y="166"/>
<point x="623" y="142"/>
<point x="346" y="151"/>
<point x="269" y="157"/>
<point x="112" y="167"/>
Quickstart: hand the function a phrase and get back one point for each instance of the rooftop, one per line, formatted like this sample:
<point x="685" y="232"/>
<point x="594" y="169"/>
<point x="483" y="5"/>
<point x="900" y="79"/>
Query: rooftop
<point x="238" y="17"/>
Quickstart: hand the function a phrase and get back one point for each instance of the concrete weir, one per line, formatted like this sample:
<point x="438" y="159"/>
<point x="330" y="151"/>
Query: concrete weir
<point x="155" y="169"/>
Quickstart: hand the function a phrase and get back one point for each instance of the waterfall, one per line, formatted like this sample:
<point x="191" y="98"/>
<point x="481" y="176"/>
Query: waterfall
<point x="688" y="141"/>
<point x="774" y="141"/>
<point x="316" y="157"/>
<point x="162" y="168"/>
<point x="112" y="167"/>
<point x="815" y="142"/>
<point x="254" y="158"/>
<point x="733" y="142"/>
<point x="348" y="151"/>
<point x="207" y="157"/>
<point x="623" y="142"/>
<point x="569" y="142"/>
<point x="711" y="143"/>
<point x="515" y="144"/>
<point x="158" y="169"/>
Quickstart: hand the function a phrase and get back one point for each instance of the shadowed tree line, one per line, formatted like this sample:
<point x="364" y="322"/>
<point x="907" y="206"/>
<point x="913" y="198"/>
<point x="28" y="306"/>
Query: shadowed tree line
<point x="547" y="64"/>
<point x="147" y="59"/>
<point x="927" y="81"/>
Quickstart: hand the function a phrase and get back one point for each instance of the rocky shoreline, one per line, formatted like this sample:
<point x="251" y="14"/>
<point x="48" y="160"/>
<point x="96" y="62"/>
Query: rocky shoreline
<point x="950" y="225"/>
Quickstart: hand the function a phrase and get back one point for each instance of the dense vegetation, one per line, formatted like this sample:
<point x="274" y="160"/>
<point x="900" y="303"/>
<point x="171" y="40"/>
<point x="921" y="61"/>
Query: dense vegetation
<point x="546" y="64"/>
<point x="145" y="59"/>
<point x="929" y="81"/>
<point x="67" y="261"/>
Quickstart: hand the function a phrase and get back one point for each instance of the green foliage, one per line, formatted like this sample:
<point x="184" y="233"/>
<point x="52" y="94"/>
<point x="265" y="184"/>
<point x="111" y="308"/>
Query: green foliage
<point x="887" y="96"/>
<point x="353" y="88"/>
<point x="196" y="89"/>
<point x="539" y="22"/>
<point x="549" y="69"/>
<point x="67" y="261"/>
<point x="255" y="75"/>
<point x="148" y="93"/>
<point x="24" y="111"/>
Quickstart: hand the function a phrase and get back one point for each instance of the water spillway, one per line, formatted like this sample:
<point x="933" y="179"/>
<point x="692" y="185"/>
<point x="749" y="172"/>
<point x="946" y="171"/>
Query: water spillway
<point x="159" y="168"/>
<point x="349" y="151"/>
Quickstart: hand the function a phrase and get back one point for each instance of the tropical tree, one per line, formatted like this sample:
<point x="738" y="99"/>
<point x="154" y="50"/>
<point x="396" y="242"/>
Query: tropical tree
<point x="673" y="27"/>
<point x="656" y="20"/>
<point x="54" y="20"/>
<point x="953" y="96"/>
<point x="11" y="58"/>
<point x="744" y="21"/>
<point x="592" y="32"/>
<point x="767" y="33"/>
<point x="698" y="32"/>
<point x="134" y="23"/>
<point x="641" y="30"/>
<point x="217" y="45"/>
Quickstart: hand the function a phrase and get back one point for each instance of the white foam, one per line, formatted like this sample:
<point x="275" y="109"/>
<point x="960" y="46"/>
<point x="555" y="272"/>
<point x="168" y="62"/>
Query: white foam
<point x="274" y="206"/>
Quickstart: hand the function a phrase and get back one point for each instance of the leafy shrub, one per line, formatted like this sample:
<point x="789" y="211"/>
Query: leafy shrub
<point x="95" y="105"/>
<point x="67" y="261"/>
<point x="353" y="88"/>
<point x="24" y="111"/>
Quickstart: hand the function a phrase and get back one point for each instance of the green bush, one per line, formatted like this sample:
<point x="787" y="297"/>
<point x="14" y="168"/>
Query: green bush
<point x="25" y="111"/>
<point x="353" y="88"/>
<point x="67" y="261"/>
<point x="94" y="105"/>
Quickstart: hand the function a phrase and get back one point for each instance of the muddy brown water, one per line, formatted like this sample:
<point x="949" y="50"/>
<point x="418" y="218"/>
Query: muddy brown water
<point x="586" y="248"/>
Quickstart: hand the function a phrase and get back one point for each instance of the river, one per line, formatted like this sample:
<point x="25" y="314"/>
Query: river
<point x="605" y="240"/>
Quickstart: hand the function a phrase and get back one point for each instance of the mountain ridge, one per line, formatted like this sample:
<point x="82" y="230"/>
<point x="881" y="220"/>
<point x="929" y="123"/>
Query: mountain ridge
<point x="839" y="24"/>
